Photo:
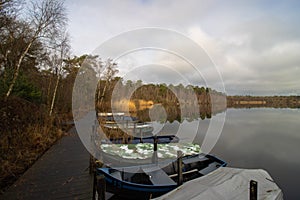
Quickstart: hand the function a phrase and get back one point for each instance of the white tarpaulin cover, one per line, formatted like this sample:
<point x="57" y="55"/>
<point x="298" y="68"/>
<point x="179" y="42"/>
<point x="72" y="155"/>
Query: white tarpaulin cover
<point x="145" y="150"/>
<point x="227" y="183"/>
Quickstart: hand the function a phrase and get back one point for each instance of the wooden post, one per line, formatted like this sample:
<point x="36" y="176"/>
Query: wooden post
<point x="179" y="167"/>
<point x="94" y="186"/>
<point x="155" y="157"/>
<point x="253" y="190"/>
<point x="92" y="164"/>
<point x="100" y="187"/>
<point x="134" y="128"/>
<point x="92" y="159"/>
<point x="155" y="143"/>
<point x="126" y="126"/>
<point x="141" y="134"/>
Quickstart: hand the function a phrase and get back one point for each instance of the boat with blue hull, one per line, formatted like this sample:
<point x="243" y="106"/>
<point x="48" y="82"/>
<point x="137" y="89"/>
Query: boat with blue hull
<point x="152" y="180"/>
<point x="161" y="139"/>
<point x="110" y="152"/>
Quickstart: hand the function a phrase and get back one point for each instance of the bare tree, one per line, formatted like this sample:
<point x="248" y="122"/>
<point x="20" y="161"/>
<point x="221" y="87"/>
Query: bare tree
<point x="8" y="12"/>
<point x="104" y="71"/>
<point x="8" y="29"/>
<point x="46" y="19"/>
<point x="61" y="52"/>
<point x="110" y="70"/>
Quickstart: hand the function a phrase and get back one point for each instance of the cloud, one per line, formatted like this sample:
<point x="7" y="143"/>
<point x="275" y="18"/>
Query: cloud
<point x="254" y="44"/>
<point x="262" y="61"/>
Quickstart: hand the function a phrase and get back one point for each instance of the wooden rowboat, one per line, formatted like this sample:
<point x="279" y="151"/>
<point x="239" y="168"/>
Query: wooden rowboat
<point x="144" y="181"/>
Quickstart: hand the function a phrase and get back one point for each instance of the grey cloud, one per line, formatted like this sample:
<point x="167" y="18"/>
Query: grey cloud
<point x="255" y="44"/>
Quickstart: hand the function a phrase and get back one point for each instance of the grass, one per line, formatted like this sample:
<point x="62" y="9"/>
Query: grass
<point x="20" y="151"/>
<point x="26" y="132"/>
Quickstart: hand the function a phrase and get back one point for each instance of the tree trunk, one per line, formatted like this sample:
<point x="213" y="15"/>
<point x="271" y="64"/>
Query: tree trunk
<point x="98" y="95"/>
<point x="103" y="93"/>
<point x="49" y="90"/>
<point x="54" y="95"/>
<point x="16" y="74"/>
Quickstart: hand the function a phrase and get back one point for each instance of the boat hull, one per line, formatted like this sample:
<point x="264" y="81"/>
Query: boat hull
<point x="161" y="139"/>
<point x="135" y="190"/>
<point x="125" y="187"/>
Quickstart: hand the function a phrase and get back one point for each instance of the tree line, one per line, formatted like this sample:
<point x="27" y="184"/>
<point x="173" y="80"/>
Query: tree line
<point x="36" y="77"/>
<point x="37" y="74"/>
<point x="263" y="101"/>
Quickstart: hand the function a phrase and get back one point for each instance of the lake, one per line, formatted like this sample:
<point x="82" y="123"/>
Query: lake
<point x="256" y="138"/>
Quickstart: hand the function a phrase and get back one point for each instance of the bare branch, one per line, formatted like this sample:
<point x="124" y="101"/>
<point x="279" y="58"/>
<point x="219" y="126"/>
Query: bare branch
<point x="46" y="20"/>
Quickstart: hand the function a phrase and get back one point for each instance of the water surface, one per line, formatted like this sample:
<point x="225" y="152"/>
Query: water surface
<point x="256" y="138"/>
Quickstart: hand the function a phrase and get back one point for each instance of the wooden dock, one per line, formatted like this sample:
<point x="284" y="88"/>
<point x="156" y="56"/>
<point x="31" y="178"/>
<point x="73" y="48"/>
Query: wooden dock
<point x="61" y="173"/>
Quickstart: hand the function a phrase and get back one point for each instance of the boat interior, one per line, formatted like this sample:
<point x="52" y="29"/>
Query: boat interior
<point x="154" y="174"/>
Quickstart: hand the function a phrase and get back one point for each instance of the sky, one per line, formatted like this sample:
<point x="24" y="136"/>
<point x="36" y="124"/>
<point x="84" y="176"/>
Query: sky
<point x="254" y="46"/>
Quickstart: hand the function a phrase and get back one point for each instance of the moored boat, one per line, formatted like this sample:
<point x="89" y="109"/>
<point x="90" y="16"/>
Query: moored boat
<point x="136" y="129"/>
<point x="161" y="139"/>
<point x="121" y="155"/>
<point x="144" y="181"/>
<point x="130" y="125"/>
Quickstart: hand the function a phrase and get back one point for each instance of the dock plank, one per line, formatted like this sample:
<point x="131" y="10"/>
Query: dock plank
<point x="61" y="173"/>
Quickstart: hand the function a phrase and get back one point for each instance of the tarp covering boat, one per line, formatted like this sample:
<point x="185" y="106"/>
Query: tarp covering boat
<point x="117" y="155"/>
<point x="227" y="183"/>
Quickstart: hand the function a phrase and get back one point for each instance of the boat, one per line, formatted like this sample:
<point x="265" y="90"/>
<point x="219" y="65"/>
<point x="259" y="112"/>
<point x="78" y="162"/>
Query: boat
<point x="124" y="155"/>
<point x="136" y="129"/>
<point x="228" y="183"/>
<point x="112" y="154"/>
<point x="128" y="124"/>
<point x="120" y="116"/>
<point x="153" y="180"/>
<point x="161" y="139"/>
